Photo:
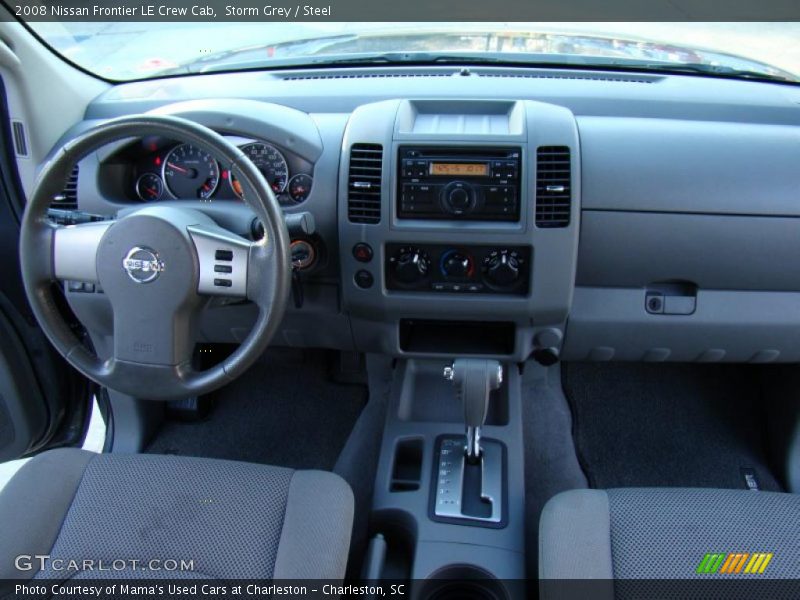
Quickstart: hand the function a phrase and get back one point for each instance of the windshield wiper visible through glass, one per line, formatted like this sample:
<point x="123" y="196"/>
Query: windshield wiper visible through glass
<point x="550" y="60"/>
<point x="228" y="59"/>
<point x="714" y="70"/>
<point x="417" y="58"/>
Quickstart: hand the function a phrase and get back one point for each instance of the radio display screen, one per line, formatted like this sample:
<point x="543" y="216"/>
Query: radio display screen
<point x="462" y="169"/>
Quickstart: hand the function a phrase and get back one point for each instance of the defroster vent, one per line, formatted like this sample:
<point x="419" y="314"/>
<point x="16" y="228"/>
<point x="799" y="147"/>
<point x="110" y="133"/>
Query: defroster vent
<point x="553" y="186"/>
<point x="364" y="183"/>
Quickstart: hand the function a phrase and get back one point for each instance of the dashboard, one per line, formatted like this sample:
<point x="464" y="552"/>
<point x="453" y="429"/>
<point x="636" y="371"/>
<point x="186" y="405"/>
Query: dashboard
<point x="501" y="212"/>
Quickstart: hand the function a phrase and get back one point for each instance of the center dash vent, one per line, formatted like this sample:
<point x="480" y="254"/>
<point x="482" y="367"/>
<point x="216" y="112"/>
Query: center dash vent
<point x="68" y="199"/>
<point x="364" y="183"/>
<point x="553" y="186"/>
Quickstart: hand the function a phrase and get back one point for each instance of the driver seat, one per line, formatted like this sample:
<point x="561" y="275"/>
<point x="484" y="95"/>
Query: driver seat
<point x="233" y="520"/>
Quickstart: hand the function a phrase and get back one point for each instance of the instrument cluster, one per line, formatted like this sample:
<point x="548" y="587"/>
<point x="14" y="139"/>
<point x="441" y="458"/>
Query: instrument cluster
<point x="164" y="170"/>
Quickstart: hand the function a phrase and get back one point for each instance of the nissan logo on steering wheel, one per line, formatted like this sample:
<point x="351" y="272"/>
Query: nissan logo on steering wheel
<point x="142" y="265"/>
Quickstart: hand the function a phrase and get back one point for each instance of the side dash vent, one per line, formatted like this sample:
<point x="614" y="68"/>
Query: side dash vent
<point x="364" y="183"/>
<point x="68" y="199"/>
<point x="20" y="141"/>
<point x="553" y="186"/>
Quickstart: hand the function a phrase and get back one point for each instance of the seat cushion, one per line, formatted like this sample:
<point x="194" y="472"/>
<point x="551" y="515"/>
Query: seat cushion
<point x="663" y="533"/>
<point x="233" y="520"/>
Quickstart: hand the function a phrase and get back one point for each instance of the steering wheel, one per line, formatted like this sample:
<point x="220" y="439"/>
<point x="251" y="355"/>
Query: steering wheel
<point x="157" y="266"/>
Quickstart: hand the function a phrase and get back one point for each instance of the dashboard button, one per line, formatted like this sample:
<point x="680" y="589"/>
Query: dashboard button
<point x="223" y="269"/>
<point x="364" y="279"/>
<point x="223" y="255"/>
<point x="362" y="252"/>
<point x="223" y="282"/>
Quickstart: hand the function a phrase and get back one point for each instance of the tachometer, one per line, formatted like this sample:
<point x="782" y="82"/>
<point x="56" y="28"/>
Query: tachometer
<point x="190" y="172"/>
<point x="270" y="162"/>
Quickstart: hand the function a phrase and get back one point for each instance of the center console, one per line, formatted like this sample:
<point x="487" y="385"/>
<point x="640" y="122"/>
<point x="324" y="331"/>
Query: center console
<point x="448" y="503"/>
<point x="458" y="232"/>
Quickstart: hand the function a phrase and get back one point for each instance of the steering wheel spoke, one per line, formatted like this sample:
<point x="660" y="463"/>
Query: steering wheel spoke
<point x="75" y="251"/>
<point x="224" y="261"/>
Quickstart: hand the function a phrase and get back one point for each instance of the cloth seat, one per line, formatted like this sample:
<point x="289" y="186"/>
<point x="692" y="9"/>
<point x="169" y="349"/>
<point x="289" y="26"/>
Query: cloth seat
<point x="232" y="520"/>
<point x="633" y="536"/>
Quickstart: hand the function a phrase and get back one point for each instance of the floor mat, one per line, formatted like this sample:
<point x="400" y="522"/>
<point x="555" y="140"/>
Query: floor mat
<point x="284" y="411"/>
<point x="668" y="425"/>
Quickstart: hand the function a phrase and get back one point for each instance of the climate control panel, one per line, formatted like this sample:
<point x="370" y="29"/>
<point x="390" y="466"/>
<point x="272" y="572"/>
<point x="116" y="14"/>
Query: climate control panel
<point x="458" y="269"/>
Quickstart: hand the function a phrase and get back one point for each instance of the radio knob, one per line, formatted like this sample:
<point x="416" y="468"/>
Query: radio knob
<point x="411" y="265"/>
<point x="458" y="198"/>
<point x="502" y="269"/>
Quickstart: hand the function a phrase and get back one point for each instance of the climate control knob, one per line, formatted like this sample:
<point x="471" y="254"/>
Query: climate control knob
<point x="410" y="265"/>
<point x="456" y="265"/>
<point x="502" y="268"/>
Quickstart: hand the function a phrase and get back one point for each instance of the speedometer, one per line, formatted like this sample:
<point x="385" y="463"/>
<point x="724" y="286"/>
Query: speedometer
<point x="189" y="172"/>
<point x="270" y="162"/>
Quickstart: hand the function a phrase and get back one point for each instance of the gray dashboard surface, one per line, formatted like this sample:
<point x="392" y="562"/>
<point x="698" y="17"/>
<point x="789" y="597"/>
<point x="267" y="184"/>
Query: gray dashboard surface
<point x="681" y="178"/>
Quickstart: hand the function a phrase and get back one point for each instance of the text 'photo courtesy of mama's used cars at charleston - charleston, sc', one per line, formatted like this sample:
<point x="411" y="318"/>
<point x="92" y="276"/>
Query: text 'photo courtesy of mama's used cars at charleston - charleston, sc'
<point x="325" y="300"/>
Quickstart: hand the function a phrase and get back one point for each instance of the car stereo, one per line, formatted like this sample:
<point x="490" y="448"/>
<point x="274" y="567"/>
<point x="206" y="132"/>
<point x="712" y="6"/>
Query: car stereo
<point x="459" y="183"/>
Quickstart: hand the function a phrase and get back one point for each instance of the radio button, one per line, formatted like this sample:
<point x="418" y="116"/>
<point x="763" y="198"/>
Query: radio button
<point x="497" y="196"/>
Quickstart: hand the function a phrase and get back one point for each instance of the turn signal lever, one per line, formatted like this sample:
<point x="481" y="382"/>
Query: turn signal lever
<point x="474" y="379"/>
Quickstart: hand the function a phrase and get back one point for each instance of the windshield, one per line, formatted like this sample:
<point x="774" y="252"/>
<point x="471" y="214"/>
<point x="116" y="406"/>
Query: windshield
<point x="128" y="50"/>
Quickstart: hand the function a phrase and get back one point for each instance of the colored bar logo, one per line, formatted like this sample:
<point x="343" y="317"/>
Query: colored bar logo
<point x="734" y="563"/>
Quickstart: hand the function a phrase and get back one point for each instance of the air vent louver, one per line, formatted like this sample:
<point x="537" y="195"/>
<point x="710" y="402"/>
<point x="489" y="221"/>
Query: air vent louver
<point x="553" y="186"/>
<point x="364" y="183"/>
<point x="68" y="199"/>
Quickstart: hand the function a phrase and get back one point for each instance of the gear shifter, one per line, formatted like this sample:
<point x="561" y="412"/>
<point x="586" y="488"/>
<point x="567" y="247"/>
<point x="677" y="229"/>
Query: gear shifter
<point x="474" y="379"/>
<point x="470" y="476"/>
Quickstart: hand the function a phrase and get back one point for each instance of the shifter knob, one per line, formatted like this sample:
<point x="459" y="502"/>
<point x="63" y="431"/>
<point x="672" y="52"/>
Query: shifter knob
<point x="474" y="379"/>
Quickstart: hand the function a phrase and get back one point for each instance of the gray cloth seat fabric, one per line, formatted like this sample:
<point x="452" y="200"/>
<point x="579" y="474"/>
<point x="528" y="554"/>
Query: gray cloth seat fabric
<point x="664" y="533"/>
<point x="232" y="520"/>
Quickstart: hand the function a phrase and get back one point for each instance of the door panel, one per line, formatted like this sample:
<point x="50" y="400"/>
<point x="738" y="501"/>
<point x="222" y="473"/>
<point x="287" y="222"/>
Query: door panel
<point x="43" y="401"/>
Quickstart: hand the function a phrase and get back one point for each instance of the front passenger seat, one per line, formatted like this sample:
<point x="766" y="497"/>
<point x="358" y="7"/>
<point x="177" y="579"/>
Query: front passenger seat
<point x="637" y="536"/>
<point x="233" y="520"/>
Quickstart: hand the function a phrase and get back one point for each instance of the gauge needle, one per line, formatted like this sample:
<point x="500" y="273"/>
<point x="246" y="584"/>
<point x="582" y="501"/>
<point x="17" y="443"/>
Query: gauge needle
<point x="152" y="191"/>
<point x="177" y="168"/>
